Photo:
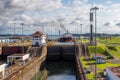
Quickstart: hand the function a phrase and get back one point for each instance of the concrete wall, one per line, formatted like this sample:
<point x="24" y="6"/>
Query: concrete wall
<point x="61" y="52"/>
<point x="28" y="71"/>
<point x="8" y="50"/>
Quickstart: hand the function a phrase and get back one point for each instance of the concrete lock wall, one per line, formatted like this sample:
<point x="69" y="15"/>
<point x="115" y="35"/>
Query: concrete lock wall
<point x="61" y="52"/>
<point x="28" y="71"/>
<point x="8" y="50"/>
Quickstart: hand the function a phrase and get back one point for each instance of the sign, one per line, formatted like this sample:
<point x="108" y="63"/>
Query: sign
<point x="25" y="57"/>
<point x="91" y="17"/>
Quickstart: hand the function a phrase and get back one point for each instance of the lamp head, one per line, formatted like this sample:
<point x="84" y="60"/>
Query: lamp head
<point x="94" y="8"/>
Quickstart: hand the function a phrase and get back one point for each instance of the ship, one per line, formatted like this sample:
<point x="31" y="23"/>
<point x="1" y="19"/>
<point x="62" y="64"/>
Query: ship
<point x="67" y="37"/>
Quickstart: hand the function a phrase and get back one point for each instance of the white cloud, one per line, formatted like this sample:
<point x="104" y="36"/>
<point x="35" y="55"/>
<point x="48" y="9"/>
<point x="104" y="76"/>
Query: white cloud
<point x="37" y="4"/>
<point x="77" y="2"/>
<point x="108" y="2"/>
<point x="37" y="11"/>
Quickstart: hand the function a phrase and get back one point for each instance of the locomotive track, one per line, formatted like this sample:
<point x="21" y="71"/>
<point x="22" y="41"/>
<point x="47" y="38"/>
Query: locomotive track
<point x="79" y="66"/>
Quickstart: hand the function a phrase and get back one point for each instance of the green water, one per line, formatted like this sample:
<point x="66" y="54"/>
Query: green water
<point x="58" y="71"/>
<point x="61" y="71"/>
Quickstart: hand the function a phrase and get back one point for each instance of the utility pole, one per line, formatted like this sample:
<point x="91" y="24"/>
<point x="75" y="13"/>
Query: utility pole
<point x="91" y="27"/>
<point x="81" y="33"/>
<point x="95" y="12"/>
<point x="22" y="38"/>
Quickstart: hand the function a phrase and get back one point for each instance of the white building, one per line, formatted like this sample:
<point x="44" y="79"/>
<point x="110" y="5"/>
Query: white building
<point x="100" y="58"/>
<point x="17" y="59"/>
<point x="38" y="38"/>
<point x="113" y="73"/>
<point x="2" y="69"/>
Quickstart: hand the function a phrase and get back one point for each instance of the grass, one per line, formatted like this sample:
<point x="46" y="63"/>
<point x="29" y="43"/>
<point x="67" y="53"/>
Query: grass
<point x="90" y="76"/>
<point x="84" y="63"/>
<point x="100" y="50"/>
<point x="118" y="49"/>
<point x="106" y="49"/>
<point x="112" y="49"/>
<point x="115" y="53"/>
<point x="101" y="67"/>
<point x="111" y="40"/>
<point x="83" y="40"/>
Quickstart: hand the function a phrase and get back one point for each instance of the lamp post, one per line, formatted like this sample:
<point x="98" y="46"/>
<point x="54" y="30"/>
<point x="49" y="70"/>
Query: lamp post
<point x="91" y="27"/>
<point x="81" y="33"/>
<point x="95" y="24"/>
<point x="14" y="29"/>
<point x="22" y="38"/>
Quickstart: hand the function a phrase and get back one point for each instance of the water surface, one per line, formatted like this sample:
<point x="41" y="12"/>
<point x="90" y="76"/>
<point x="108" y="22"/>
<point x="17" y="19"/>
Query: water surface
<point x="61" y="71"/>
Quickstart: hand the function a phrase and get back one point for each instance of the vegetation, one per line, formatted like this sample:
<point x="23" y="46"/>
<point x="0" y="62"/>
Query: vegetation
<point x="115" y="53"/>
<point x="83" y="41"/>
<point x="109" y="47"/>
<point x="84" y="63"/>
<point x="90" y="76"/>
<point x="99" y="49"/>
<point x="112" y="48"/>
<point x="41" y="75"/>
<point x="101" y="67"/>
<point x="114" y="40"/>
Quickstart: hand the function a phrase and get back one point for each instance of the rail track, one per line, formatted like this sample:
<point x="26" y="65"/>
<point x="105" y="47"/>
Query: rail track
<point x="14" y="69"/>
<point x="86" y="53"/>
<point x="80" y="69"/>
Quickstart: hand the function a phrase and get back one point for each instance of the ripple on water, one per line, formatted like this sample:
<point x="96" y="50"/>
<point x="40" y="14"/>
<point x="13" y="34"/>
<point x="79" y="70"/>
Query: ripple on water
<point x="61" y="77"/>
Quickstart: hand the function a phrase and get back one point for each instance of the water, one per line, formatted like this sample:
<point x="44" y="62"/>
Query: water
<point x="65" y="43"/>
<point x="61" y="71"/>
<point x="53" y="36"/>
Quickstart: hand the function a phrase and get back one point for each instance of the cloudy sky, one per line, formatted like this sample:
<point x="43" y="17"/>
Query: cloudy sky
<point x="48" y="16"/>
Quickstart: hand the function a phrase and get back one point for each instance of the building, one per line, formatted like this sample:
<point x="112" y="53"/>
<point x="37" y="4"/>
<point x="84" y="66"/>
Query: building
<point x="2" y="70"/>
<point x="17" y="59"/>
<point x="100" y="58"/>
<point x="38" y="38"/>
<point x="4" y="40"/>
<point x="113" y="73"/>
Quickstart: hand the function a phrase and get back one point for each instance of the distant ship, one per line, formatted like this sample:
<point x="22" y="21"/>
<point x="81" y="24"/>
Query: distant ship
<point x="67" y="37"/>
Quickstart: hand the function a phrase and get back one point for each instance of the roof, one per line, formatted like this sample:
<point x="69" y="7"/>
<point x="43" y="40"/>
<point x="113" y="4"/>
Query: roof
<point x="101" y="55"/>
<point x="38" y="33"/>
<point x="115" y="70"/>
<point x="16" y="55"/>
